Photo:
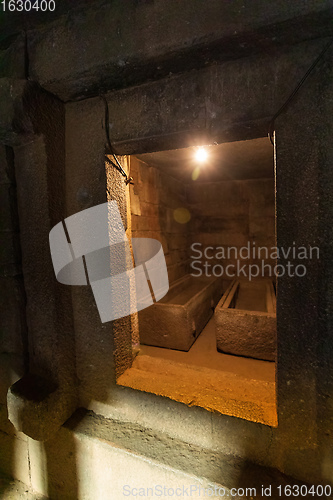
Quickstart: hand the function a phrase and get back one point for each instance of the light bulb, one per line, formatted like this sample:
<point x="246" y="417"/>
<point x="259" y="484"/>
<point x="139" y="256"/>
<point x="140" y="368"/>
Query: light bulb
<point x="201" y="155"/>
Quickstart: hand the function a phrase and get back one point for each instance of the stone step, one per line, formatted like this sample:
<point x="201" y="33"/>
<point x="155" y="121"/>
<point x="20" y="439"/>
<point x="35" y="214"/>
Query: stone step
<point x="95" y="458"/>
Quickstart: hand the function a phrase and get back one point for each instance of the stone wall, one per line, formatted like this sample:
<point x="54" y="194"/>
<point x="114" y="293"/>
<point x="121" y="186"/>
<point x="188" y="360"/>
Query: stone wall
<point x="154" y="39"/>
<point x="13" y="330"/>
<point x="235" y="98"/>
<point x="237" y="213"/>
<point x="155" y="196"/>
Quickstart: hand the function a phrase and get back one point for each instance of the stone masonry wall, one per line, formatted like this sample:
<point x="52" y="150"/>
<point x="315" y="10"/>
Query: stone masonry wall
<point x="154" y="198"/>
<point x="12" y="318"/>
<point x="13" y="329"/>
<point x="233" y="99"/>
<point x="222" y="214"/>
<point x="238" y="213"/>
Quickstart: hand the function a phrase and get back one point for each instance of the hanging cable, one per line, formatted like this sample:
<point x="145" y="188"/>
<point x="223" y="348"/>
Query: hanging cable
<point x="116" y="165"/>
<point x="292" y="95"/>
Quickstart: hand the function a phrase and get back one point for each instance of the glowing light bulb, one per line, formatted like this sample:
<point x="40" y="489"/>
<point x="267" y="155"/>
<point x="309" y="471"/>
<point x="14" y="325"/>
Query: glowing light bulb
<point x="201" y="155"/>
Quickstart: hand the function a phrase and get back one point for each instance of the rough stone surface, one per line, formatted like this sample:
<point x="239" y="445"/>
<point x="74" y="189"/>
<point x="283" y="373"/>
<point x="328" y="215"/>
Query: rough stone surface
<point x="9" y="253"/>
<point x="231" y="214"/>
<point x="39" y="166"/>
<point x="37" y="407"/>
<point x="12" y="368"/>
<point x="246" y="332"/>
<point x="13" y="334"/>
<point x="15" y="125"/>
<point x="293" y="446"/>
<point x="213" y="390"/>
<point x="178" y="318"/>
<point x="13" y="58"/>
<point x="154" y="197"/>
<point x="14" y="457"/>
<point x="226" y="101"/>
<point x="113" y="454"/>
<point x="72" y="63"/>
<point x="109" y="460"/>
<point x="16" y="490"/>
<point x="110" y="345"/>
<point x="12" y="316"/>
<point x="204" y="353"/>
<point x="304" y="305"/>
<point x="7" y="171"/>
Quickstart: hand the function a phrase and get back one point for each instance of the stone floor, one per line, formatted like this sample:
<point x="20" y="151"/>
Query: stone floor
<point x="204" y="353"/>
<point x="202" y="377"/>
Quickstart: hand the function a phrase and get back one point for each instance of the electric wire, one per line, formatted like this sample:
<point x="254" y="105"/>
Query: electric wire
<point x="116" y="165"/>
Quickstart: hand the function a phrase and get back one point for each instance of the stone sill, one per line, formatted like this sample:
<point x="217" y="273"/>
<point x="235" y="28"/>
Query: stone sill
<point x="216" y="391"/>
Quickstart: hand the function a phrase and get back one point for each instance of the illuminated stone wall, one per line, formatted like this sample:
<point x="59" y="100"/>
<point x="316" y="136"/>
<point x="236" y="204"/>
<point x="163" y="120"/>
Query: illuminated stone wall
<point x="237" y="213"/>
<point x="157" y="203"/>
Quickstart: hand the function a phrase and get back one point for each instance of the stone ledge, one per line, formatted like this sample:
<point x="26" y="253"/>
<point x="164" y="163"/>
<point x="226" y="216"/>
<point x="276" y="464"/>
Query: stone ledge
<point x="38" y="406"/>
<point x="216" y="391"/>
<point x="158" y="455"/>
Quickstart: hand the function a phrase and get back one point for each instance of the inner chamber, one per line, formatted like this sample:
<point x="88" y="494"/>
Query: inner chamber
<point x="213" y="210"/>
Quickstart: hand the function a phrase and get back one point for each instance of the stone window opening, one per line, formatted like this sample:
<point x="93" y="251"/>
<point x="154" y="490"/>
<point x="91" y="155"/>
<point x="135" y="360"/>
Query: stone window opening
<point x="204" y="215"/>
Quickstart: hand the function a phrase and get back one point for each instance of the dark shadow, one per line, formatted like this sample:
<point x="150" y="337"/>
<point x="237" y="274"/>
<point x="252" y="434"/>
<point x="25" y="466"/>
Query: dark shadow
<point x="13" y="325"/>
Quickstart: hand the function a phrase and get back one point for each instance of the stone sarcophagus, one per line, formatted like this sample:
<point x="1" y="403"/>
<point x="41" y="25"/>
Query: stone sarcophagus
<point x="176" y="320"/>
<point x="245" y="319"/>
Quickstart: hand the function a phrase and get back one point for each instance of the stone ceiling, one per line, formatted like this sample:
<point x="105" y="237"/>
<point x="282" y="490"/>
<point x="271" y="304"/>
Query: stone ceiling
<point x="251" y="159"/>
